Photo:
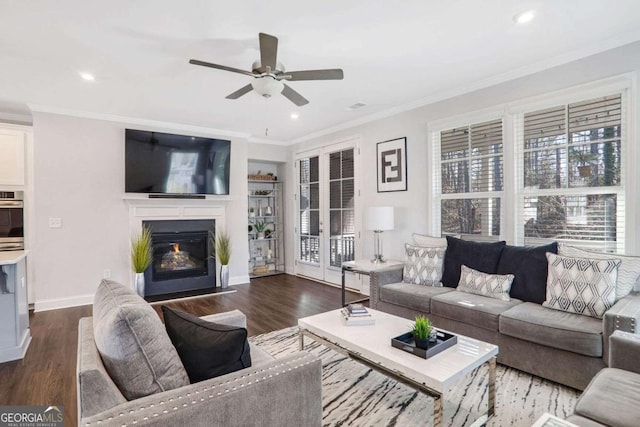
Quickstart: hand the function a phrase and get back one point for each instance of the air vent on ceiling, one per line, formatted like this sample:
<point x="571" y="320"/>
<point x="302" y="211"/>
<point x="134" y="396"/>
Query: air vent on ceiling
<point x="356" y="106"/>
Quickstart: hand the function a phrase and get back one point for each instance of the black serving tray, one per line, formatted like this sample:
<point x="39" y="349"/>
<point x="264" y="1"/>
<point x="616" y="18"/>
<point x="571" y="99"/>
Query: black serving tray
<point x="406" y="343"/>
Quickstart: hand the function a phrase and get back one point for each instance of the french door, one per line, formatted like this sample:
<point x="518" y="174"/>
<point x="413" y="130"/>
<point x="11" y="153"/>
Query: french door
<point x="326" y="223"/>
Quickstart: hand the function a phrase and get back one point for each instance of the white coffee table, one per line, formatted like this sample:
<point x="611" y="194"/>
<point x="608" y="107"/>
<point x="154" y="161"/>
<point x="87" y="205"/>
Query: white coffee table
<point x="371" y="345"/>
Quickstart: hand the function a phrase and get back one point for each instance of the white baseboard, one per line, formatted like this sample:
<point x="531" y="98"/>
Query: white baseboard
<point x="239" y="280"/>
<point x="18" y="352"/>
<point x="55" y="303"/>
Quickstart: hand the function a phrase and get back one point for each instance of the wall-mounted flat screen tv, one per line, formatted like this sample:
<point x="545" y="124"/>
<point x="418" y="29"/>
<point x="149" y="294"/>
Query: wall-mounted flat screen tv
<point x="163" y="163"/>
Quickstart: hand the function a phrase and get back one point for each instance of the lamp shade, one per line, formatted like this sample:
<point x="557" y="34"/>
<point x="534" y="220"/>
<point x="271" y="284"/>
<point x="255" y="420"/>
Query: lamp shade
<point x="267" y="86"/>
<point x="379" y="218"/>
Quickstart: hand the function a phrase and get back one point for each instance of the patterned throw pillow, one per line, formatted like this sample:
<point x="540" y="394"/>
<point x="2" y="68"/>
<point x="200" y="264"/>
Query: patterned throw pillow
<point x="490" y="285"/>
<point x="581" y="285"/>
<point x="628" y="272"/>
<point x="423" y="266"/>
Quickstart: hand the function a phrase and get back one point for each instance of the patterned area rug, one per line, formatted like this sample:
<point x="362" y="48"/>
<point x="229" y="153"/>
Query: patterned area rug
<point x="354" y="395"/>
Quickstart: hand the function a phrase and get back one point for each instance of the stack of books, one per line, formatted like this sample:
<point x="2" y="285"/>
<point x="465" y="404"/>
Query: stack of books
<point x="356" y="315"/>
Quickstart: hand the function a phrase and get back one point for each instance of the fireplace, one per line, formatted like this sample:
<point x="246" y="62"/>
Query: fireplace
<point x="181" y="262"/>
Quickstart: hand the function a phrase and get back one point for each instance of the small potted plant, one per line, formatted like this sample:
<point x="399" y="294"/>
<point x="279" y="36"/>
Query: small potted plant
<point x="141" y="257"/>
<point x="260" y="227"/>
<point x="423" y="332"/>
<point x="252" y="213"/>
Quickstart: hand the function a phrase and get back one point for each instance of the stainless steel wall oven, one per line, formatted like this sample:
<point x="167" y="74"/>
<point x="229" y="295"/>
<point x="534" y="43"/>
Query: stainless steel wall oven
<point x="11" y="220"/>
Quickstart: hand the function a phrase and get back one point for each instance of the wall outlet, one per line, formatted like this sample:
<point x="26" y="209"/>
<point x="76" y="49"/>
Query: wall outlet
<point x="55" y="222"/>
<point x="106" y="274"/>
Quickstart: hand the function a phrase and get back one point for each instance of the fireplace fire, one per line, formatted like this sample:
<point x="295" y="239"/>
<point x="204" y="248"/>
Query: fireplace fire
<point x="176" y="259"/>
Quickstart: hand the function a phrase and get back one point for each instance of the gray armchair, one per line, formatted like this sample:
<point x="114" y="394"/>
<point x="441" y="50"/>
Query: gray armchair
<point x="272" y="392"/>
<point x="612" y="398"/>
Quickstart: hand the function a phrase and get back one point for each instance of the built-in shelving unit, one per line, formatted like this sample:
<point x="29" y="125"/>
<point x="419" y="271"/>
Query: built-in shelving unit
<point x="266" y="248"/>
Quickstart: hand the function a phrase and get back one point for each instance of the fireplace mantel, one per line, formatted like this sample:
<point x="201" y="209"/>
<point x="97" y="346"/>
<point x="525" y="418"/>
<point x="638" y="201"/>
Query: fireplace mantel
<point x="138" y="197"/>
<point x="141" y="209"/>
<point x="144" y="209"/>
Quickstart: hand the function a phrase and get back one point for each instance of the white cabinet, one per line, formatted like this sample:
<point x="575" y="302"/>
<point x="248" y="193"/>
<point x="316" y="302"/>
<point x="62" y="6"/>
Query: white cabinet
<point x="266" y="245"/>
<point x="14" y="309"/>
<point x="12" y="149"/>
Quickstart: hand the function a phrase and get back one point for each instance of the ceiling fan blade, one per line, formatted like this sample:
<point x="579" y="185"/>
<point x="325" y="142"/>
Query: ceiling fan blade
<point x="237" y="94"/>
<point x="335" y="74"/>
<point x="220" y="67"/>
<point x="268" y="50"/>
<point x="294" y="96"/>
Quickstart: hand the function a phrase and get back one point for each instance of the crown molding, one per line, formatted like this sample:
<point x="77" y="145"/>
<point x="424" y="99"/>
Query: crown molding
<point x="18" y="119"/>
<point x="151" y="123"/>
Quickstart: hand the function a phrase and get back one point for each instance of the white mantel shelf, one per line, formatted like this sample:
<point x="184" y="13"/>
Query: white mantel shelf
<point x="168" y="200"/>
<point x="12" y="257"/>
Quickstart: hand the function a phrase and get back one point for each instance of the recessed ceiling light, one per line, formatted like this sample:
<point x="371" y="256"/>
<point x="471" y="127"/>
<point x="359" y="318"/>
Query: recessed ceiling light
<point x="524" y="17"/>
<point x="88" y="77"/>
<point x="294" y="116"/>
<point x="356" y="106"/>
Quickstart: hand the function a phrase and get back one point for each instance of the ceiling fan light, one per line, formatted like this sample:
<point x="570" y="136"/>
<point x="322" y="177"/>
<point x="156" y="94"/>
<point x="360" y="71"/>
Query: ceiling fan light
<point x="524" y="17"/>
<point x="267" y="86"/>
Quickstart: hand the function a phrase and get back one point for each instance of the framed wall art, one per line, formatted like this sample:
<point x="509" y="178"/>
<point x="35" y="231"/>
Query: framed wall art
<point x="392" y="165"/>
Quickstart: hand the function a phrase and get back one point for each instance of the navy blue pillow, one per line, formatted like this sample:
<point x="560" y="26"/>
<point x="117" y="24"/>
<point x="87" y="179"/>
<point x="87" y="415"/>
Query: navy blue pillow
<point x="480" y="256"/>
<point x="529" y="265"/>
<point x="206" y="349"/>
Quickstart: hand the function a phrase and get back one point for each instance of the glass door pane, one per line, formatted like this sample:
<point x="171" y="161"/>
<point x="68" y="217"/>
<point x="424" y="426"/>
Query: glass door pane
<point x="341" y="208"/>
<point x="326" y="193"/>
<point x="309" y="211"/>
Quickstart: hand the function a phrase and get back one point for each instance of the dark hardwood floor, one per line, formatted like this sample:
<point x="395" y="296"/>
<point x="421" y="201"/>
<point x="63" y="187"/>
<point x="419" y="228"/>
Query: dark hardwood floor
<point x="46" y="376"/>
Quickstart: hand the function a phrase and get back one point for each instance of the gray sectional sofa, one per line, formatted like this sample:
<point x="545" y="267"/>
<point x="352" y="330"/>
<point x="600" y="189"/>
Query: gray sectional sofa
<point x="613" y="396"/>
<point x="563" y="347"/>
<point x="271" y="392"/>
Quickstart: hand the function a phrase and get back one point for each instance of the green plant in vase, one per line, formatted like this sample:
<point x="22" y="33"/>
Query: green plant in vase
<point x="260" y="227"/>
<point x="422" y="331"/>
<point x="141" y="257"/>
<point x="221" y="245"/>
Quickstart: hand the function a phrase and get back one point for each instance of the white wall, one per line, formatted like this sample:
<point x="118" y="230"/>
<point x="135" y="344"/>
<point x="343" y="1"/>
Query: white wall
<point x="412" y="205"/>
<point x="267" y="152"/>
<point x="79" y="177"/>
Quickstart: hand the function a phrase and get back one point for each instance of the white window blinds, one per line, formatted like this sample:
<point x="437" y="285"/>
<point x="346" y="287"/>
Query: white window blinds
<point x="309" y="210"/>
<point x="571" y="169"/>
<point x="341" y="207"/>
<point x="471" y="179"/>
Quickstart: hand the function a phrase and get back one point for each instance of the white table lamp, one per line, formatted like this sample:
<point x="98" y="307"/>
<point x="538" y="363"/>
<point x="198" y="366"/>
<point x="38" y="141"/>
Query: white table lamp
<point x="378" y="219"/>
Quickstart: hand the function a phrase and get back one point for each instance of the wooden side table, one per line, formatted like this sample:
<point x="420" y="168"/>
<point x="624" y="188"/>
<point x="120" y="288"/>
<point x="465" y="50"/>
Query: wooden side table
<point x="366" y="267"/>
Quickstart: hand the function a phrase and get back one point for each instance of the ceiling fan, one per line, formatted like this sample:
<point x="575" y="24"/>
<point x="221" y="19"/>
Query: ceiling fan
<point x="268" y="74"/>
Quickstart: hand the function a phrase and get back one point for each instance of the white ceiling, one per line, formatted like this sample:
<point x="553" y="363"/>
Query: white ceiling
<point x="392" y="53"/>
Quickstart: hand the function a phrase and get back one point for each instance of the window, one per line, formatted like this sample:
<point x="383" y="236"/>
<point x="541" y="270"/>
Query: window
<point x="564" y="179"/>
<point x="471" y="179"/>
<point x="341" y="208"/>
<point x="571" y="171"/>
